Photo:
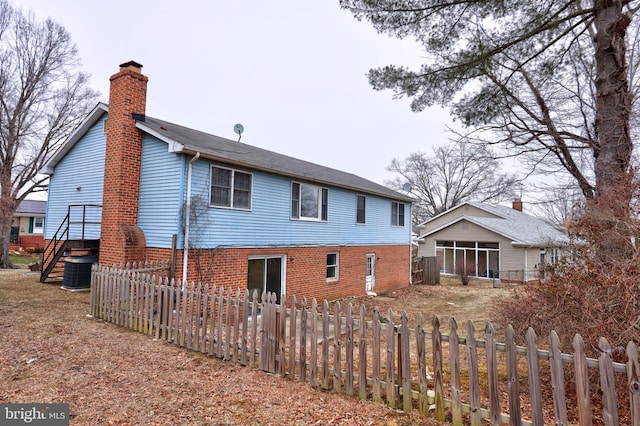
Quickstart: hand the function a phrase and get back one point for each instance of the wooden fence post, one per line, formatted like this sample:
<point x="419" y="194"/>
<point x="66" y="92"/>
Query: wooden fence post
<point x="313" y="370"/>
<point x="227" y="334"/>
<point x="607" y="384"/>
<point x="492" y="373"/>
<point x="474" y="385"/>
<point x="325" y="345"/>
<point x="349" y="348"/>
<point x="212" y="321"/>
<point x="633" y="379"/>
<point x="513" y="385"/>
<point x="438" y="373"/>
<point x="293" y="326"/>
<point x="245" y="326"/>
<point x="375" y="348"/>
<point x="582" y="382"/>
<point x="303" y="340"/>
<point x="362" y="354"/>
<point x="454" y="360"/>
<point x="254" y="329"/>
<point x="557" y="380"/>
<point x="236" y="326"/>
<point x="535" y="394"/>
<point x="391" y="387"/>
<point x="407" y="404"/>
<point x="337" y="346"/>
<point x="423" y="400"/>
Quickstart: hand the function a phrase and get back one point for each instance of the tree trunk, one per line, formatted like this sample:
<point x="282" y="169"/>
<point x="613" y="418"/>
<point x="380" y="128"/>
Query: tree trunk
<point x="7" y="209"/>
<point x="614" y="188"/>
<point x="613" y="105"/>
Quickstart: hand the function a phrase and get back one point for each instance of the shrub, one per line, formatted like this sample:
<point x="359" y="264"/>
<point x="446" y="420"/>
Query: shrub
<point x="579" y="298"/>
<point x="593" y="294"/>
<point x="465" y="273"/>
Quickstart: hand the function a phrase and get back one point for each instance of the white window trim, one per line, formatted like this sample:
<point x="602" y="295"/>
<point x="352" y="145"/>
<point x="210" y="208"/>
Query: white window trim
<point x="337" y="267"/>
<point x="38" y="229"/>
<point x="233" y="172"/>
<point x="320" y="190"/>
<point x="404" y="216"/>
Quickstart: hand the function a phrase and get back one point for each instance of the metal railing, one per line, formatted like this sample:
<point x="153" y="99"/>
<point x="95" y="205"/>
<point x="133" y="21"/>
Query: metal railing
<point x="55" y="247"/>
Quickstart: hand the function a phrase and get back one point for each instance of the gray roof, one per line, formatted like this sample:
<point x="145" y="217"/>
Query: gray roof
<point x="189" y="141"/>
<point x="522" y="229"/>
<point x="31" y="208"/>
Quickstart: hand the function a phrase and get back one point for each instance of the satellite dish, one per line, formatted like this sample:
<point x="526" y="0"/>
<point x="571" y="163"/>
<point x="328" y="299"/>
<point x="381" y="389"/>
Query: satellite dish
<point x="406" y="187"/>
<point x="238" y="128"/>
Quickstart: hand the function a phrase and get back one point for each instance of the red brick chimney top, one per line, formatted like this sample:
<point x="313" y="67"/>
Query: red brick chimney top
<point x="517" y="204"/>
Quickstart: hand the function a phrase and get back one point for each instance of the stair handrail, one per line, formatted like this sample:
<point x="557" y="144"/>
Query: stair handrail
<point x="50" y="254"/>
<point x="52" y="248"/>
<point x="84" y="220"/>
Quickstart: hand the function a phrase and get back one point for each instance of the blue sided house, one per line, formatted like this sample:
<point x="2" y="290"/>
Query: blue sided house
<point x="136" y="188"/>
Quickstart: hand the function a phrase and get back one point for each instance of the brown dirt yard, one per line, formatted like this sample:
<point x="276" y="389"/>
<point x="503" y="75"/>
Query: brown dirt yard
<point x="51" y="351"/>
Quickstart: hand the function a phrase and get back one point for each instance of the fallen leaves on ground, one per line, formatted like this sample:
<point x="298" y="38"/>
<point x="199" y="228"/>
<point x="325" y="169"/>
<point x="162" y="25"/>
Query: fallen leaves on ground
<point x="51" y="351"/>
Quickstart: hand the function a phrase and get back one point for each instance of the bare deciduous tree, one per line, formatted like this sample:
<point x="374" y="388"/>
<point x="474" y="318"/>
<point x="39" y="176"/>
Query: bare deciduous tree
<point x="454" y="174"/>
<point x="42" y="99"/>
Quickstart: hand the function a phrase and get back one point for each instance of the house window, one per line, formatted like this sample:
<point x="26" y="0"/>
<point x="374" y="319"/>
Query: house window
<point x="38" y="225"/>
<point x="475" y="258"/>
<point x="230" y="188"/>
<point x="554" y="255"/>
<point x="397" y="214"/>
<point x="332" y="266"/>
<point x="360" y="208"/>
<point x="309" y="202"/>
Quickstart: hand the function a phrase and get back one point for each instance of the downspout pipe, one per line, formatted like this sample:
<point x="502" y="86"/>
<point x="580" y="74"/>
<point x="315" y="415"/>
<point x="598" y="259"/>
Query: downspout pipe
<point x="185" y="256"/>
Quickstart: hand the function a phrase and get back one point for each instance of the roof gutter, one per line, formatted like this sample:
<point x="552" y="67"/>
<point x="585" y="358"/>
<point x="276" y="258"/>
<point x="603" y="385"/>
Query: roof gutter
<point x="185" y="257"/>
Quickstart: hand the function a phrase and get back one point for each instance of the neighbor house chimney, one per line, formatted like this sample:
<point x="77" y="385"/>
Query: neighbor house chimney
<point x="517" y="204"/>
<point x="121" y="239"/>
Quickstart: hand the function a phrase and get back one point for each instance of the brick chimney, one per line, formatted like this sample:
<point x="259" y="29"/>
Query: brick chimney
<point x="121" y="239"/>
<point x="517" y="204"/>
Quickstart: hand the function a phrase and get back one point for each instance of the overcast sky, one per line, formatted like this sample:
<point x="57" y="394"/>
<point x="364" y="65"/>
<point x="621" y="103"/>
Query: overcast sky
<point x="292" y="72"/>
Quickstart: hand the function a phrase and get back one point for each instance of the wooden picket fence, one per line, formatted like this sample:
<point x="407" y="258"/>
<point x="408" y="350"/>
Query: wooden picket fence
<point x="371" y="354"/>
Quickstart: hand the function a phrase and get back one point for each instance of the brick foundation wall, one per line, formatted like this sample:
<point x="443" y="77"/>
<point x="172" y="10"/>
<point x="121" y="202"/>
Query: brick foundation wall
<point x="306" y="268"/>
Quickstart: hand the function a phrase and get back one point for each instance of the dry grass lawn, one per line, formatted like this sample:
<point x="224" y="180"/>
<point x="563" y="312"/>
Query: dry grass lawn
<point x="52" y="352"/>
<point x="472" y="302"/>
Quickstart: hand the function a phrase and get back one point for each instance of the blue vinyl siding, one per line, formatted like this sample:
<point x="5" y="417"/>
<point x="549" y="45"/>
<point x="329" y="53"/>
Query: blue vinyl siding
<point x="161" y="182"/>
<point x="82" y="167"/>
<point x="163" y="191"/>
<point x="269" y="222"/>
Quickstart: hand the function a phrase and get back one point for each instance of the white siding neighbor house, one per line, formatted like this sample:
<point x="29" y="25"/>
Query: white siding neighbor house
<point x="493" y="242"/>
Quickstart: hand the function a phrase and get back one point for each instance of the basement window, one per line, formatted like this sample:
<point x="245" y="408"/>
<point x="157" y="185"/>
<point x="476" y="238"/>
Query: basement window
<point x="332" y="266"/>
